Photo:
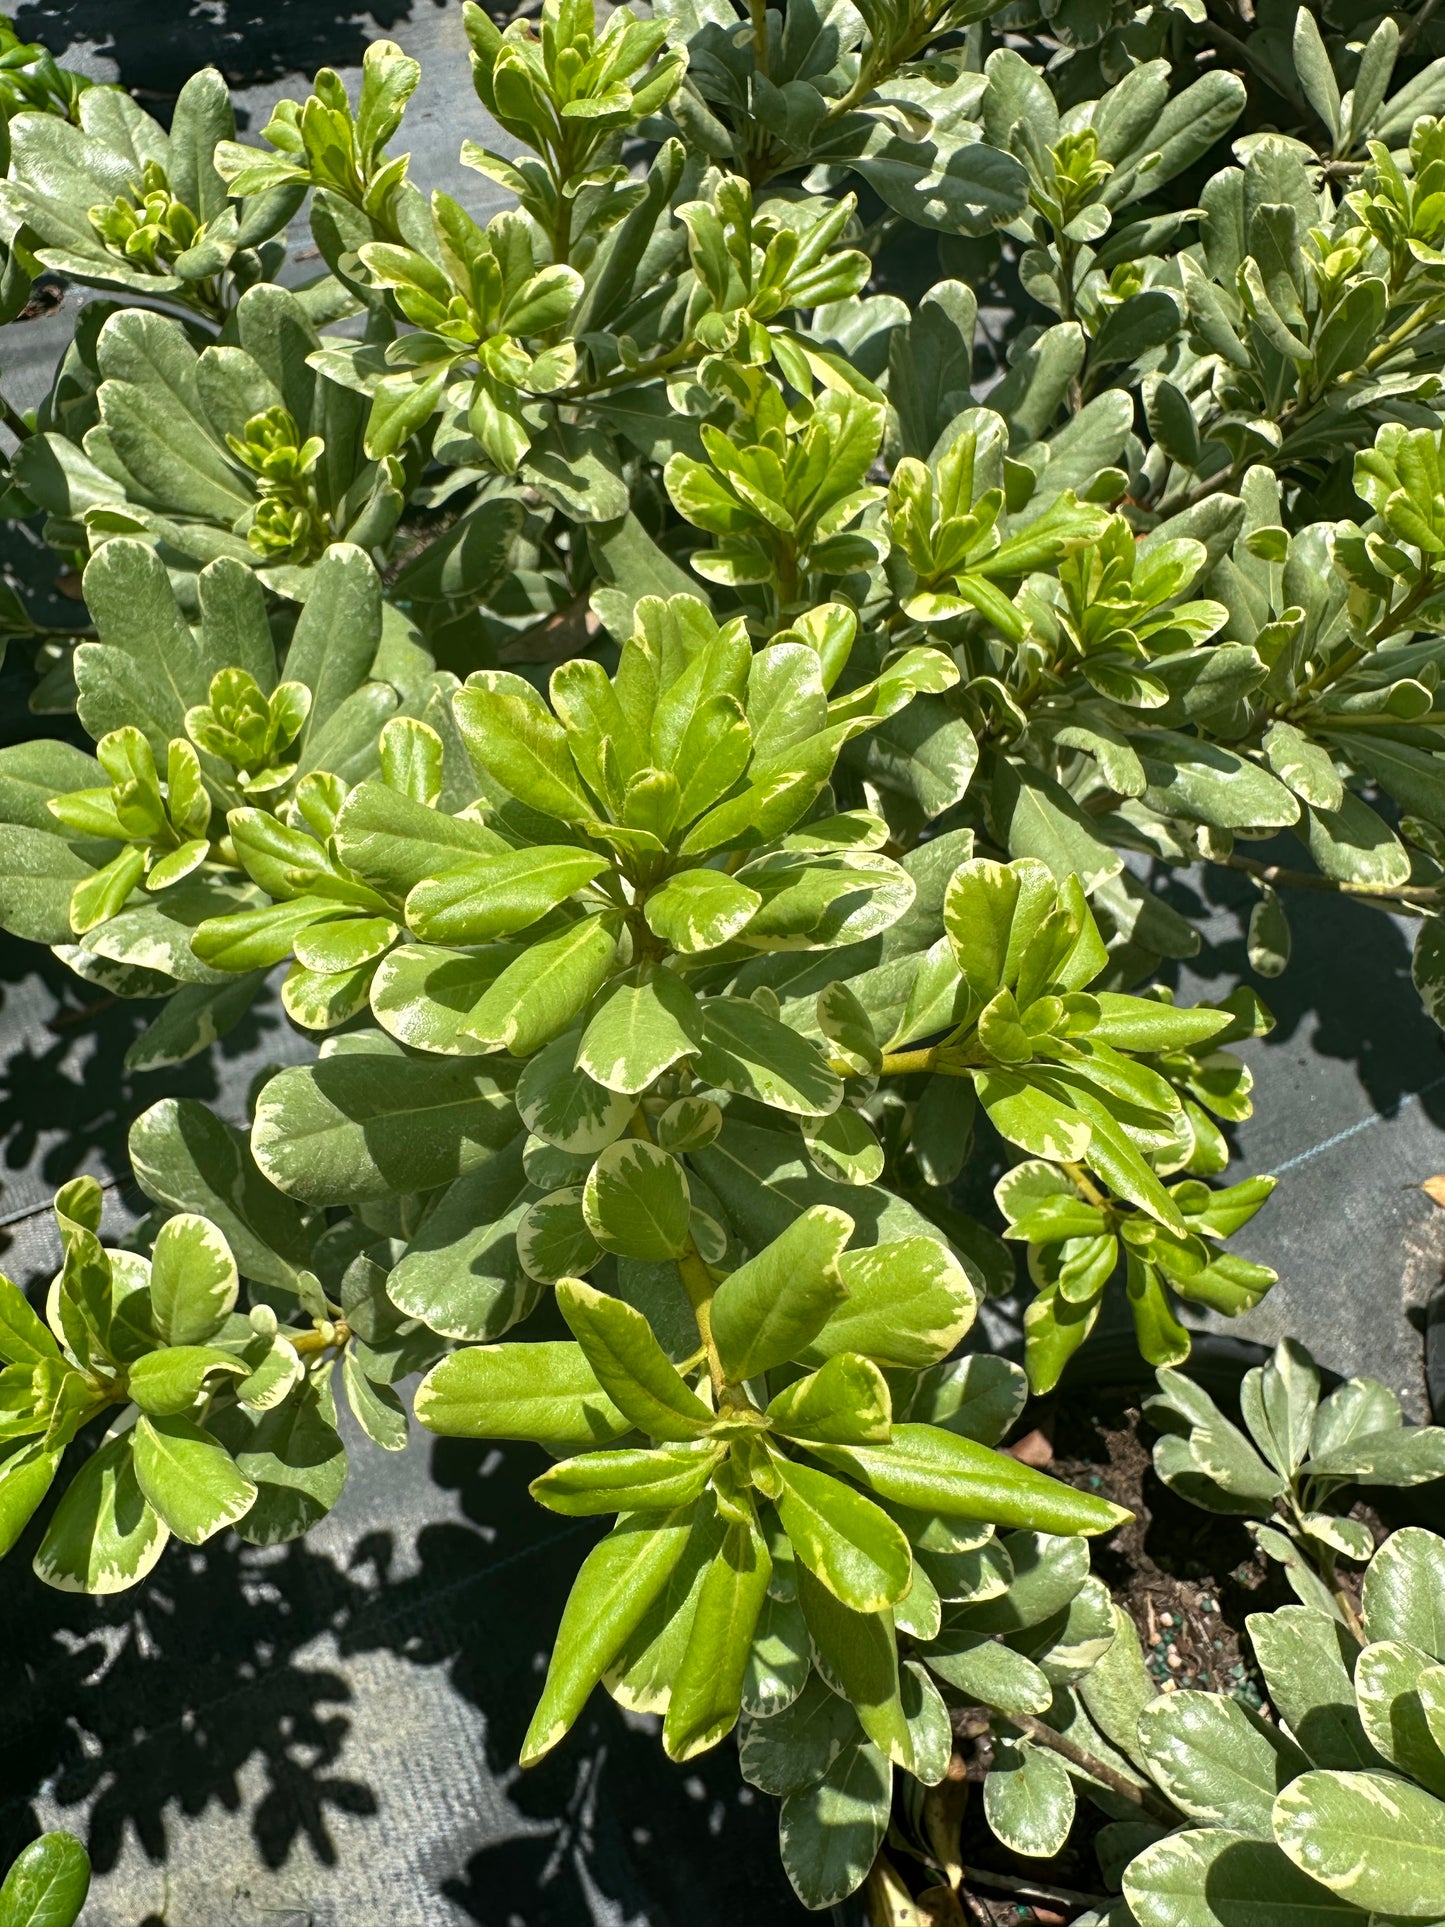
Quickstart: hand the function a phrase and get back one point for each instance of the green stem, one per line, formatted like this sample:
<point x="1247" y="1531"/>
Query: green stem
<point x="880" y="63"/>
<point x="321" y="1339"/>
<point x="645" y="371"/>
<point x="699" y="1284"/>
<point x="758" y="9"/>
<point x="1299" y="414"/>
<point x="562" y="228"/>
<point x="1086" y="1184"/>
<point x="14" y="421"/>
<point x="948" y="1059"/>
<point x="787" y="577"/>
<point x="1203" y="490"/>
<point x="1389" y="624"/>
<point x="1280" y="878"/>
<point x="898" y="1063"/>
<point x="874" y="69"/>
<point x="1412" y="323"/>
<point x="1067" y="257"/>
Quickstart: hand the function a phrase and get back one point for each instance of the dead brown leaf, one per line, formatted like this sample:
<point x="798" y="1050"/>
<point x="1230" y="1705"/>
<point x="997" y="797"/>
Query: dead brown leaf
<point x="943" y="1810"/>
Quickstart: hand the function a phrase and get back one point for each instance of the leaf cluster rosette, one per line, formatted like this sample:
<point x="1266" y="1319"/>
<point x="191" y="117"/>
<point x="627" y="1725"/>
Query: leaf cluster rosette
<point x="1164" y="649"/>
<point x="1293" y="1467"/>
<point x="773" y="1514"/>
<point x="218" y="1417"/>
<point x="235" y="449"/>
<point x="112" y="199"/>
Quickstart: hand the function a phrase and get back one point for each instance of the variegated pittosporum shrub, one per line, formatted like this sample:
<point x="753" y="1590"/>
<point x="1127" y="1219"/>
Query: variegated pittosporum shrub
<point x="206" y="450"/>
<point x="627" y="384"/>
<point x="651" y="1029"/>
<point x="1336" y="1813"/>
<point x="1186" y="560"/>
<point x="694" y="729"/>
<point x="1292" y="1468"/>
<point x="645" y="885"/>
<point x="1333" y="1812"/>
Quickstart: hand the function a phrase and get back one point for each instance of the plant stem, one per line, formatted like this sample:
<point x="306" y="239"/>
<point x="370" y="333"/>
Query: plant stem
<point x="1421" y="19"/>
<point x="1032" y="1889"/>
<point x="321" y="1339"/>
<point x="1412" y="323"/>
<point x="1225" y="41"/>
<point x="14" y="421"/>
<point x="645" y="371"/>
<point x="1331" y="1572"/>
<point x="562" y="228"/>
<point x="974" y="1907"/>
<point x="1086" y="1184"/>
<point x="898" y="1063"/>
<point x="1389" y="624"/>
<point x="1352" y="1618"/>
<point x="759" y="11"/>
<point x="700" y="1285"/>
<point x="1280" y="878"/>
<point x="1142" y="1797"/>
<point x="1068" y="256"/>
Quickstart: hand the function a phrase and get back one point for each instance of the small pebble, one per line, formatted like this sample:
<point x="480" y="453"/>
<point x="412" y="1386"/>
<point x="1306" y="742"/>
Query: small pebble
<point x="1171" y="1686"/>
<point x="1166" y="1619"/>
<point x="1174" y="1662"/>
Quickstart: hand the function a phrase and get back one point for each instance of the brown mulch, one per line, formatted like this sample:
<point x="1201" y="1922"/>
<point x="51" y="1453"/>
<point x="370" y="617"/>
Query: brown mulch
<point x="1187" y="1578"/>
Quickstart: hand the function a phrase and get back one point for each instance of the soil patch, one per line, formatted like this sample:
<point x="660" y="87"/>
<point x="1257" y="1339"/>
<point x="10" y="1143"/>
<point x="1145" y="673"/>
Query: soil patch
<point x="1186" y="1577"/>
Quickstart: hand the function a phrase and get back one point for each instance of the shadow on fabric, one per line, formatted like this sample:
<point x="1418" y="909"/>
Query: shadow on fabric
<point x="605" y="1817"/>
<point x="230" y="1683"/>
<point x="1346" y="992"/>
<point x="159" y="44"/>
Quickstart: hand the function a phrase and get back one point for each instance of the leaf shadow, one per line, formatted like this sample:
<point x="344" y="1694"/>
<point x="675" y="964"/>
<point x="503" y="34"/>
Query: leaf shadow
<point x="67" y="1099"/>
<point x="157" y="47"/>
<point x="605" y="1818"/>
<point x="228" y="1692"/>
<point x="144" y="1710"/>
<point x="1346" y="993"/>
